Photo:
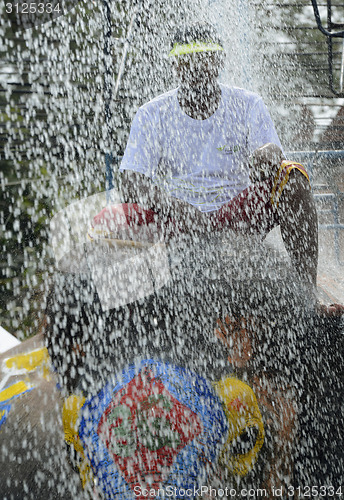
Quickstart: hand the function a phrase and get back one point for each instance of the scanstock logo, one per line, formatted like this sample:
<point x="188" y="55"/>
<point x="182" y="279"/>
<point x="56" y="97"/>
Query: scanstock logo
<point x="28" y="14"/>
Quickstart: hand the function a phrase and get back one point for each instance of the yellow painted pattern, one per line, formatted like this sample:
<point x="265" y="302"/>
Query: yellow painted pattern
<point x="242" y="411"/>
<point x="23" y="364"/>
<point x="70" y="418"/>
<point x="29" y="361"/>
<point x="14" y="390"/>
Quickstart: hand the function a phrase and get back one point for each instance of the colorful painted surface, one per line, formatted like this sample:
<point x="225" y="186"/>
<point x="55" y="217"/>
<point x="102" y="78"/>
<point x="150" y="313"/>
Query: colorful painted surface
<point x="157" y="425"/>
<point x="39" y="358"/>
<point x="20" y="365"/>
<point x="8" y="394"/>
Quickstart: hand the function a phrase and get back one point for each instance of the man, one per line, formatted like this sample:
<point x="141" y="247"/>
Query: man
<point x="193" y="153"/>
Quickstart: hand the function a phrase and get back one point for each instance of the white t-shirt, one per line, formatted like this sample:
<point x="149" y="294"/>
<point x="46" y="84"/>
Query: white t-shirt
<point x="203" y="162"/>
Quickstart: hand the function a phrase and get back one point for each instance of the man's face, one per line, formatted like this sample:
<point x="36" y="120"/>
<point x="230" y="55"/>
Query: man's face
<point x="199" y="68"/>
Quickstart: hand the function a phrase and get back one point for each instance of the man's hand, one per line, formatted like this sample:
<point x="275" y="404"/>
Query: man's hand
<point x="265" y="161"/>
<point x="176" y="217"/>
<point x="127" y="221"/>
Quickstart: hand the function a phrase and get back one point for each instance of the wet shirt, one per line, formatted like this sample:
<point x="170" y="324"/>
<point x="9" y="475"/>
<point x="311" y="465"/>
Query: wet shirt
<point x="203" y="162"/>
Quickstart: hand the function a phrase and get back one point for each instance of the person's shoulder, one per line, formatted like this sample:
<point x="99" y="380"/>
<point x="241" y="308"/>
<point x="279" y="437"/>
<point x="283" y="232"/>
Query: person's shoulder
<point x="239" y="94"/>
<point x="159" y="102"/>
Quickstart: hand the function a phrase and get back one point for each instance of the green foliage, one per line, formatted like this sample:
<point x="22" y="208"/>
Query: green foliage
<point x="45" y="121"/>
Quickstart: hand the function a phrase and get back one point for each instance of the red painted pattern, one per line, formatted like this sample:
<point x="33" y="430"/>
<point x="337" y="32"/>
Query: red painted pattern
<point x="144" y="428"/>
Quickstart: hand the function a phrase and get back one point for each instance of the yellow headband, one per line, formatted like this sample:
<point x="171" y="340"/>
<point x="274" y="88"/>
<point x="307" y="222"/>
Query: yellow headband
<point x="189" y="48"/>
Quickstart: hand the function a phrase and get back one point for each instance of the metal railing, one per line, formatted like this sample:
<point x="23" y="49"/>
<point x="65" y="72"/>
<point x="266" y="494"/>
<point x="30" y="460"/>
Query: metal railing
<point x="309" y="159"/>
<point x="334" y="30"/>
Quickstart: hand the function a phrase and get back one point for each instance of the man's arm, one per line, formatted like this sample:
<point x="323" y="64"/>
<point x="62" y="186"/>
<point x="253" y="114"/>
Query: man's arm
<point x="179" y="216"/>
<point x="171" y="212"/>
<point x="265" y="162"/>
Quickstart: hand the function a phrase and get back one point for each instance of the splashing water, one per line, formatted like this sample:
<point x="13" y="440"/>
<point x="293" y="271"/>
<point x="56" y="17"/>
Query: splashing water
<point x="156" y="366"/>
